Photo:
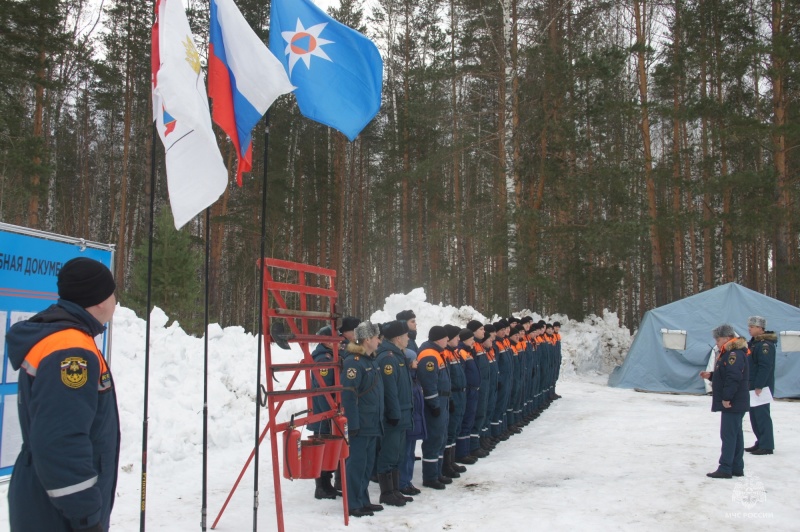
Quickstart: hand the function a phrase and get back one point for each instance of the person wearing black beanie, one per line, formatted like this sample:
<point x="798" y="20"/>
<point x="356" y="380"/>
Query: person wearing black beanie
<point x="474" y="325"/>
<point x="67" y="408"/>
<point x="434" y="378"/>
<point x="410" y="318"/>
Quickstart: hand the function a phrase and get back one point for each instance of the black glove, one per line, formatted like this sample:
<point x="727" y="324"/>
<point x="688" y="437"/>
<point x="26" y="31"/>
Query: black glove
<point x="436" y="411"/>
<point x="352" y="433"/>
<point x="392" y="421"/>
<point x="452" y="406"/>
<point x="96" y="528"/>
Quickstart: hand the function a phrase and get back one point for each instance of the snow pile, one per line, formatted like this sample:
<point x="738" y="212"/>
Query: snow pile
<point x="427" y="314"/>
<point x="595" y="345"/>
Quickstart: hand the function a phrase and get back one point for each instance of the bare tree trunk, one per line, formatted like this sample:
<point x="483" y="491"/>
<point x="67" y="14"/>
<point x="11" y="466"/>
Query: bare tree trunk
<point x="783" y="279"/>
<point x="38" y="133"/>
<point x="652" y="207"/>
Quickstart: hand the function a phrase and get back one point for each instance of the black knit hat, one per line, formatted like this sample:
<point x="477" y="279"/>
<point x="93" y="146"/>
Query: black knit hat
<point x="556" y="324"/>
<point x="465" y="334"/>
<point x="517" y="330"/>
<point x="452" y="331"/>
<point x="512" y="320"/>
<point x="541" y="323"/>
<point x="502" y="324"/>
<point x="393" y="329"/>
<point x="406" y="315"/>
<point x="488" y="329"/>
<point x="474" y="325"/>
<point x="85" y="282"/>
<point x="349" y="323"/>
<point x="526" y="319"/>
<point x="436" y="333"/>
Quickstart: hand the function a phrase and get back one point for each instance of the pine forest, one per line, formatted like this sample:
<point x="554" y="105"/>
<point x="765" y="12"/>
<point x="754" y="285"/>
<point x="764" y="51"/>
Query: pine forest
<point x="562" y="156"/>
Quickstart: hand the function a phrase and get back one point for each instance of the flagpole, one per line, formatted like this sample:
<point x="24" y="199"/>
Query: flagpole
<point x="260" y="319"/>
<point x="204" y="508"/>
<point x="147" y="330"/>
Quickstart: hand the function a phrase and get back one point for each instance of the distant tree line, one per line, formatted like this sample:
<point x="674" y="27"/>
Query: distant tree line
<point x="556" y="155"/>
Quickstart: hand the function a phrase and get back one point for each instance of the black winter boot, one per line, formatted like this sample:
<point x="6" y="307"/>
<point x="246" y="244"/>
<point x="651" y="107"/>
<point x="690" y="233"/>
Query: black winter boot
<point x="320" y="492"/>
<point x="457" y="468"/>
<point x="396" y="486"/>
<point x="447" y="466"/>
<point x="387" y="491"/>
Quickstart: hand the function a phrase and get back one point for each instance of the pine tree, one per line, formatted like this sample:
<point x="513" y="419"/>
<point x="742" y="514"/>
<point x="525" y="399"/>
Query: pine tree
<point x="177" y="265"/>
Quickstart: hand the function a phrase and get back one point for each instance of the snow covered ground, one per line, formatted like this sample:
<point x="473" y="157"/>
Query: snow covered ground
<point x="599" y="459"/>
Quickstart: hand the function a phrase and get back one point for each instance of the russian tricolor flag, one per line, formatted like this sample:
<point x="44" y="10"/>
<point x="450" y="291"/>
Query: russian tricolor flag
<point x="244" y="78"/>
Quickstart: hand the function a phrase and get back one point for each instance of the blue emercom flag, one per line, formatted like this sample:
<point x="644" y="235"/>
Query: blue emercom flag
<point x="337" y="71"/>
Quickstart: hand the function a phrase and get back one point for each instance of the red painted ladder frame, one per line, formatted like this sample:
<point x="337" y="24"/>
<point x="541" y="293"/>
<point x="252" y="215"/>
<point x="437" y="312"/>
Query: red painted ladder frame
<point x="304" y="338"/>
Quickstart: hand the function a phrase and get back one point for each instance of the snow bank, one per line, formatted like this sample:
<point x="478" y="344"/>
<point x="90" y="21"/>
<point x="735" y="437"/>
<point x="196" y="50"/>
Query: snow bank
<point x="595" y="345"/>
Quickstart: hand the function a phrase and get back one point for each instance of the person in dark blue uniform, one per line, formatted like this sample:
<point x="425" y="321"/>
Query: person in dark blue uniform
<point x="457" y="405"/>
<point x="482" y="366"/>
<point x="362" y="399"/>
<point x="434" y="377"/>
<point x="398" y="410"/>
<point x="323" y="353"/>
<point x="731" y="397"/>
<point x="65" y="476"/>
<point x="467" y="353"/>
<point x="762" y="375"/>
<point x="488" y="441"/>
<point x="410" y="318"/>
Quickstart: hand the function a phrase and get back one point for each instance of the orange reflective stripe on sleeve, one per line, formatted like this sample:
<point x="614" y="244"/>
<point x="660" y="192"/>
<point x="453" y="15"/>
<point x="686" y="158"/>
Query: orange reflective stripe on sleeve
<point x="59" y="341"/>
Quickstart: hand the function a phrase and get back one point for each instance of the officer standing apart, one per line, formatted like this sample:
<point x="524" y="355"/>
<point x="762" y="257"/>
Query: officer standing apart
<point x="762" y="375"/>
<point x="730" y="396"/>
<point x="362" y="399"/>
<point x="66" y="473"/>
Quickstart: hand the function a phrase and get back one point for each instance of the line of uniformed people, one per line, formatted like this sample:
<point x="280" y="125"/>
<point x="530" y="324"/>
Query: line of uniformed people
<point x="461" y="392"/>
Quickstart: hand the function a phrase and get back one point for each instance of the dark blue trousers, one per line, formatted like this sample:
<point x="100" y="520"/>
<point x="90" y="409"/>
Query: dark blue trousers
<point x="407" y="463"/>
<point x="433" y="445"/>
<point x="392" y="449"/>
<point x="730" y="431"/>
<point x="761" y="421"/>
<point x="359" y="467"/>
<point x="463" y="441"/>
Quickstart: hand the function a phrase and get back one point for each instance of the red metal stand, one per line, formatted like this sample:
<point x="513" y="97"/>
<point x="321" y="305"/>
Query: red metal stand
<point x="294" y="283"/>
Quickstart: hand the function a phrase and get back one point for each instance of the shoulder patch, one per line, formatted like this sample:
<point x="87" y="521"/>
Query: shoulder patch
<point x="429" y="366"/>
<point x="732" y="359"/>
<point x="765" y="349"/>
<point x="387" y="369"/>
<point x="74" y="372"/>
<point x="352" y="373"/>
<point x="324" y="372"/>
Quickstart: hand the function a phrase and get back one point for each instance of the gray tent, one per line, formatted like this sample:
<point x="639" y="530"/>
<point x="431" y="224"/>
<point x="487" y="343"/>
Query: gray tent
<point x="651" y="366"/>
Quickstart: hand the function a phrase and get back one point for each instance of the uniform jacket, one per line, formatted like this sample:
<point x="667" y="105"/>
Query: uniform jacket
<point x="471" y="371"/>
<point x="762" y="361"/>
<point x="432" y="373"/>
<point x="319" y="402"/>
<point x="418" y="430"/>
<point x="412" y="341"/>
<point x="730" y="378"/>
<point x="397" y="398"/>
<point x="363" y="401"/>
<point x="66" y="474"/>
<point x="458" y="381"/>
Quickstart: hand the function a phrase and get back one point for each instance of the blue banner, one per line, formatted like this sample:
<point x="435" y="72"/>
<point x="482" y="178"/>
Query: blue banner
<point x="29" y="265"/>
